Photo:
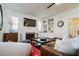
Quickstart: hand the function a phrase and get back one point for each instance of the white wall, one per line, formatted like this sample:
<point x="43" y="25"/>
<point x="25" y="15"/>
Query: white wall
<point x="21" y="29"/>
<point x="65" y="16"/>
<point x="58" y="31"/>
<point x="61" y="31"/>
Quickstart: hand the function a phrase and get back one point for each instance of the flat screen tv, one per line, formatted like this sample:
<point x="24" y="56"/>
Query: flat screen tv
<point x="29" y="22"/>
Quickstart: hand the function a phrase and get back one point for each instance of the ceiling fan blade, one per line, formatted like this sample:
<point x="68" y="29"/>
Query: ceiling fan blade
<point x="50" y="5"/>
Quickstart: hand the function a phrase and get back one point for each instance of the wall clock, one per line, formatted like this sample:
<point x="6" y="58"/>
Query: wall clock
<point x="60" y="23"/>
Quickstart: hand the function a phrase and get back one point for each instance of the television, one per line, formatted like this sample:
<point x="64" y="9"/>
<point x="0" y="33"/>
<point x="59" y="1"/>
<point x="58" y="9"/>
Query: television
<point x="29" y="22"/>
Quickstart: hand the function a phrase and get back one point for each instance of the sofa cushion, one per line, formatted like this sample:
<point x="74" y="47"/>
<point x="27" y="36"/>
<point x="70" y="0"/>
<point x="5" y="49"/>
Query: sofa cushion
<point x="69" y="46"/>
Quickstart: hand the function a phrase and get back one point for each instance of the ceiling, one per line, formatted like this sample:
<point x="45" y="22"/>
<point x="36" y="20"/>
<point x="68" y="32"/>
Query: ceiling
<point x="40" y="9"/>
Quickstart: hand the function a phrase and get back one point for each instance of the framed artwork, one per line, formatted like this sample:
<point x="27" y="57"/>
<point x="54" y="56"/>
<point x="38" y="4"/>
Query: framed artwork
<point x="50" y="25"/>
<point x="45" y="26"/>
<point x="29" y="22"/>
<point x="1" y="18"/>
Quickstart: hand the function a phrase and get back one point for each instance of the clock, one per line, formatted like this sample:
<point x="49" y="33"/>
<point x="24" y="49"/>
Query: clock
<point x="60" y="23"/>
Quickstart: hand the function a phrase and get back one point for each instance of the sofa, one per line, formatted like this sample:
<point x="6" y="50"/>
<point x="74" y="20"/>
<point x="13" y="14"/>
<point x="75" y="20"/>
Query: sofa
<point x="49" y="51"/>
<point x="15" y="49"/>
<point x="67" y="47"/>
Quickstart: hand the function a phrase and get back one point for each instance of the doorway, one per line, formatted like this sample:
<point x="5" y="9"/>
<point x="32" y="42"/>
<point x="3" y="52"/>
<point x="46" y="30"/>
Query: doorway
<point x="73" y="27"/>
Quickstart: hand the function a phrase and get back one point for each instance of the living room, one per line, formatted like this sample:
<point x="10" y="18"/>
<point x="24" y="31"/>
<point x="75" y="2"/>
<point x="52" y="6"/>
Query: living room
<point x="38" y="24"/>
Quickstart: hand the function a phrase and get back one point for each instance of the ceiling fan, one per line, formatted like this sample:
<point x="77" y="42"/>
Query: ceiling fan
<point x="50" y="5"/>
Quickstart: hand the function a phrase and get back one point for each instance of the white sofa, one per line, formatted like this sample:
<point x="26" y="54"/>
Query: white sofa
<point x="15" y="49"/>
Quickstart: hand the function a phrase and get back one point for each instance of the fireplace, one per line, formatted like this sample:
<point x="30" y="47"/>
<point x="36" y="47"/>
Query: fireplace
<point x="30" y="35"/>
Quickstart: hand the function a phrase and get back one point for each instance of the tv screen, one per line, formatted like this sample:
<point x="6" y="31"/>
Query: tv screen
<point x="29" y="22"/>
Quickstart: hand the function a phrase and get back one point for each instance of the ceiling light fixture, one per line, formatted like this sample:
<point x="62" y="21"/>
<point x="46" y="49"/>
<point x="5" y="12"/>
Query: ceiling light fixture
<point x="50" y="5"/>
<point x="53" y="4"/>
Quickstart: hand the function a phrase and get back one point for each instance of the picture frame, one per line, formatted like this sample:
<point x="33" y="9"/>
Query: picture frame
<point x="50" y="25"/>
<point x="29" y="22"/>
<point x="44" y="26"/>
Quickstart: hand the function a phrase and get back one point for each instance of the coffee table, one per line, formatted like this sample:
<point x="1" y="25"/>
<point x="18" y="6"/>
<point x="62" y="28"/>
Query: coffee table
<point x="38" y="42"/>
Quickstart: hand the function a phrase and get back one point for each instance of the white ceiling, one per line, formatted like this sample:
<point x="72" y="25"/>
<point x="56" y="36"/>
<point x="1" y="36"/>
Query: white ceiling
<point x="40" y="9"/>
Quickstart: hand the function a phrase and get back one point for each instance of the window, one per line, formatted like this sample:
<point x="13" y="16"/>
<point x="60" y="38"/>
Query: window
<point x="14" y="22"/>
